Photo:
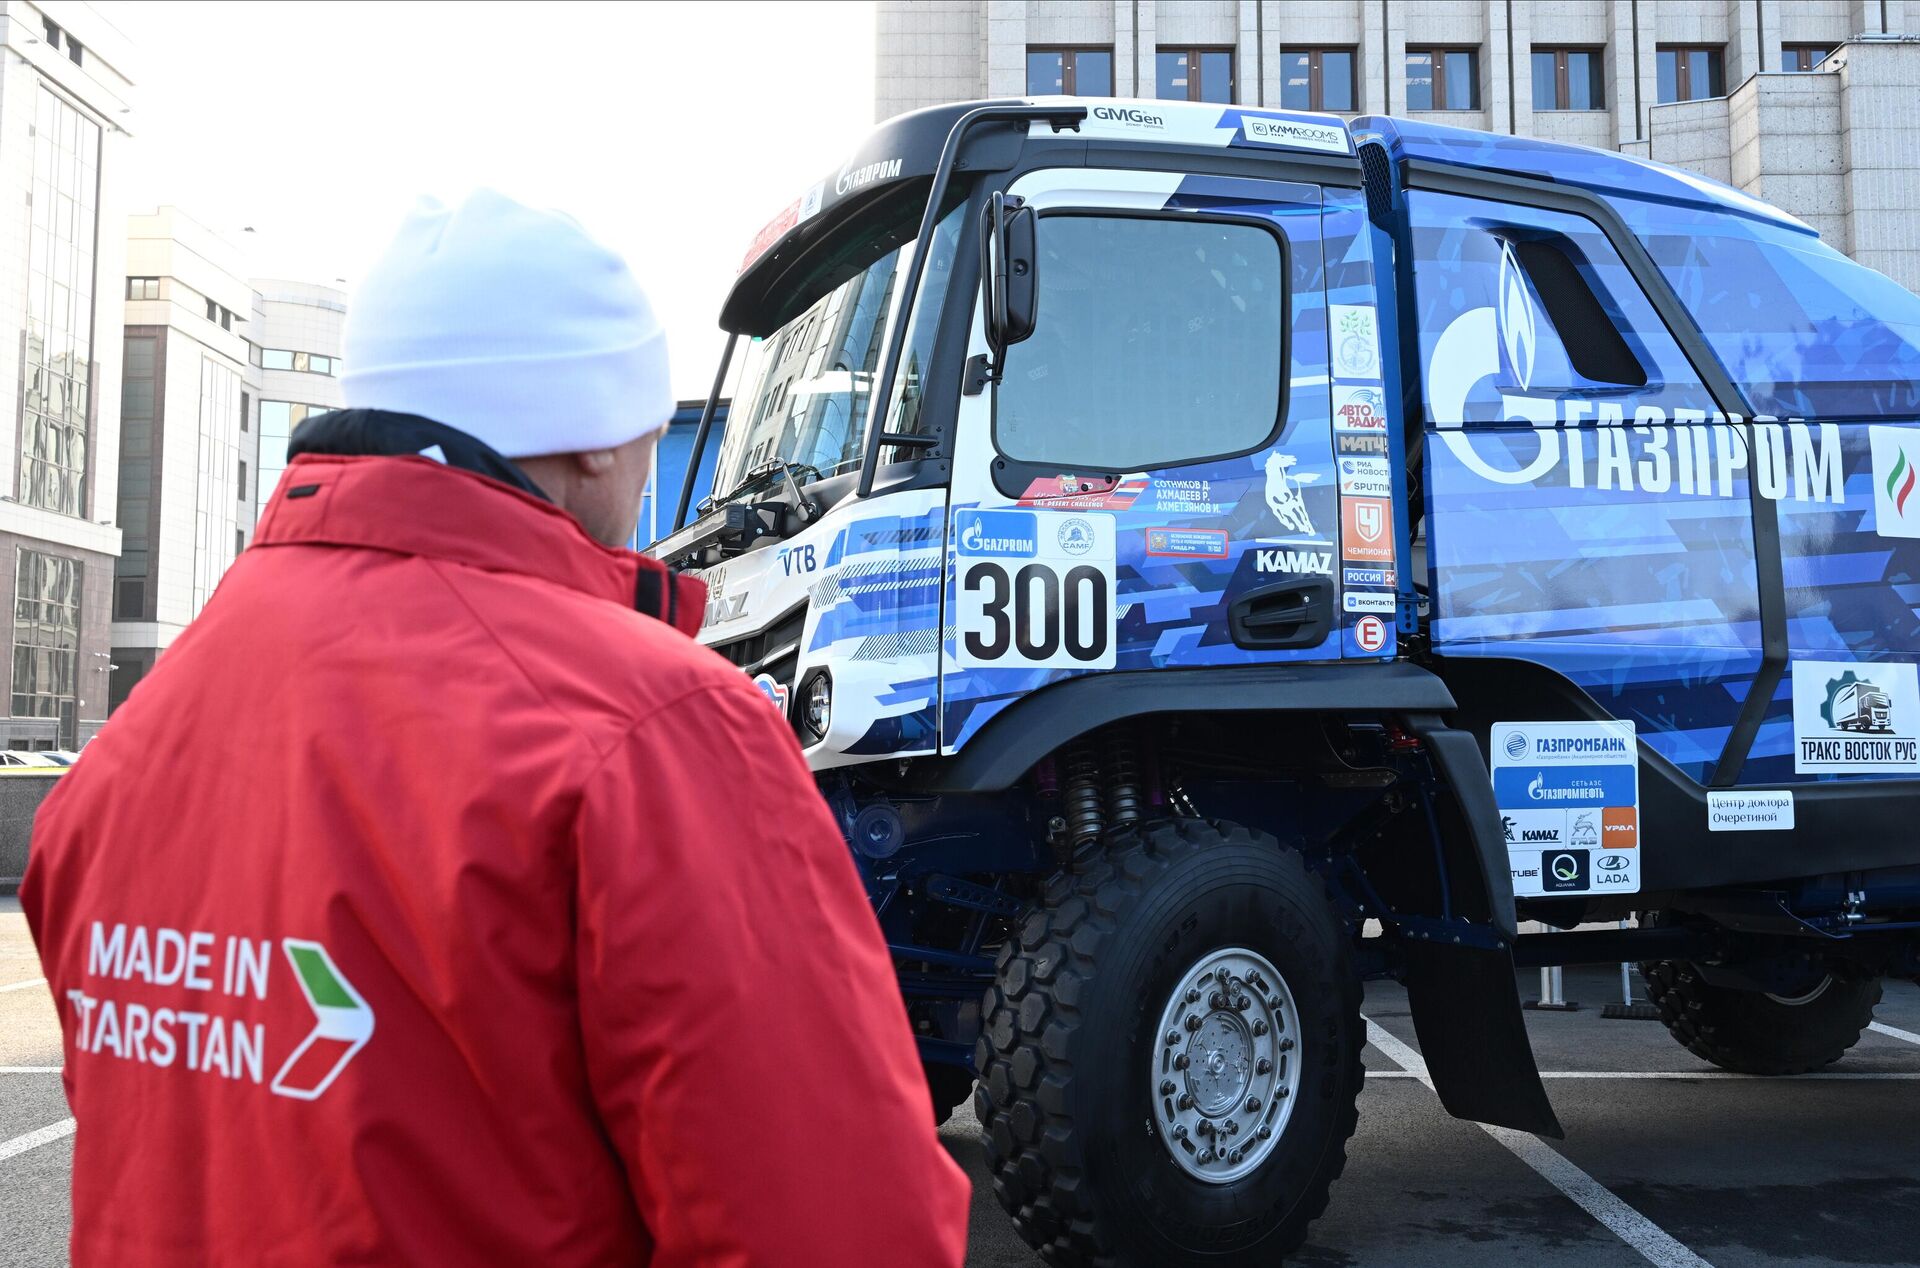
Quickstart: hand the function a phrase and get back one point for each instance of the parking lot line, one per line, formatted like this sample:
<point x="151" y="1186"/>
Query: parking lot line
<point x="1653" y="1243"/>
<point x="33" y="1140"/>
<point x="29" y="1069"/>
<point x="1893" y="1032"/>
<point x="21" y="986"/>
<point x="1709" y="1076"/>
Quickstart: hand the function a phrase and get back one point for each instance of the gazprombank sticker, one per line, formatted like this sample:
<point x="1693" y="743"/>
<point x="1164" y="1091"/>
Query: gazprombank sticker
<point x="1569" y="798"/>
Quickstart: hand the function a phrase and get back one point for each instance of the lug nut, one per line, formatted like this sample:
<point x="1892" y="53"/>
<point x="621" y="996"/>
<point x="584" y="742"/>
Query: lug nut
<point x="1286" y="1045"/>
<point x="1173" y="1037"/>
<point x="1166" y="1087"/>
<point x="1216" y="1000"/>
<point x="1253" y="1105"/>
<point x="1260" y="1027"/>
<point x="1263" y="1066"/>
<point x="1233" y="1128"/>
<point x="1206" y="1155"/>
<point x="1179" y="1133"/>
<point x="1193" y="994"/>
<point x="1193" y="1021"/>
<point x="1266" y="1132"/>
<point x="1279" y="1094"/>
<point x="1204" y="1127"/>
<point x="1181" y="1062"/>
<point x="1186" y="1101"/>
<point x="1240" y="1003"/>
<point x="1235" y="1156"/>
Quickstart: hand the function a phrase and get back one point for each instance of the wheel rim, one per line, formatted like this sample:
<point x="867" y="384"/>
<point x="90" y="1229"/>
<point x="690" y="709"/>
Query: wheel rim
<point x="1805" y="997"/>
<point x="1226" y="1065"/>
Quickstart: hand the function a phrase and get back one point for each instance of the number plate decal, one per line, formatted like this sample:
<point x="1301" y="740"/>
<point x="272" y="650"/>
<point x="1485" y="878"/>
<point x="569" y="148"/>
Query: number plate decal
<point x="1034" y="589"/>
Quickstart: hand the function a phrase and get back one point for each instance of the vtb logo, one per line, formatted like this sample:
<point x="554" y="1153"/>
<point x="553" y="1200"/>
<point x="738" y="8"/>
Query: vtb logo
<point x="1896" y="509"/>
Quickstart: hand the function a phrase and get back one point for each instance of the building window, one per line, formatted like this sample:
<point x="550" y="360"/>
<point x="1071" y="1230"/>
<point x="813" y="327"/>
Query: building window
<point x="1803" y="56"/>
<point x="246" y="411"/>
<point x="1443" y="79"/>
<point x="129" y="596"/>
<point x="226" y="319"/>
<point x="1194" y="74"/>
<point x="243" y="480"/>
<point x="277" y="422"/>
<point x="253" y="352"/>
<point x="1688" y="73"/>
<point x="60" y="290"/>
<point x="53" y="31"/>
<point x="1568" y="79"/>
<point x="143" y="288"/>
<point x="1076" y="72"/>
<point x="141" y="378"/>
<point x="276" y="359"/>
<point x="46" y="640"/>
<point x="239" y="540"/>
<point x="304" y="362"/>
<point x="1317" y="79"/>
<point x="73" y="49"/>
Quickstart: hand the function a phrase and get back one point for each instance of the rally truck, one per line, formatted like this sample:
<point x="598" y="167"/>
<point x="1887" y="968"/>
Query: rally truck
<point x="1212" y="557"/>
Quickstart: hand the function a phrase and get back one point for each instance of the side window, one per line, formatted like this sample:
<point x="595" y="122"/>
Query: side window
<point x="1158" y="342"/>
<point x="1521" y="309"/>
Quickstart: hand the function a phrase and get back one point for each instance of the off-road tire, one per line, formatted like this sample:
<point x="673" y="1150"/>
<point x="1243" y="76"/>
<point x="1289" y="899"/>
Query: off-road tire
<point x="1065" y="1097"/>
<point x="1751" y="1032"/>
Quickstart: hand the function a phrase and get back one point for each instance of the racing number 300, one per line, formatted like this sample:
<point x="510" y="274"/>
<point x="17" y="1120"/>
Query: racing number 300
<point x="1039" y="612"/>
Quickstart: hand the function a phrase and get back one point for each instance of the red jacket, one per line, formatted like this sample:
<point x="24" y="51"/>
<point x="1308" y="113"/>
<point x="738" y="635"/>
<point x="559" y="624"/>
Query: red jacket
<point x="427" y="904"/>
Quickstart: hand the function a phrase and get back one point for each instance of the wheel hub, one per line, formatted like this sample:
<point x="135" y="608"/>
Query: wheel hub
<point x="1228" y="1065"/>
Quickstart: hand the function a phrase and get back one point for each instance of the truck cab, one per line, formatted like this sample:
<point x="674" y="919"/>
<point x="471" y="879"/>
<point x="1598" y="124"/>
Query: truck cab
<point x="1213" y="555"/>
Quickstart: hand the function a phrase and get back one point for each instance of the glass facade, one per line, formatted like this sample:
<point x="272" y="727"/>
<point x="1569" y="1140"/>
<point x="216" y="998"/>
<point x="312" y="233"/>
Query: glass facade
<point x="139" y="394"/>
<point x="1569" y="79"/>
<point x="46" y="641"/>
<point x="1317" y="79"/>
<point x="59" y="326"/>
<point x="1194" y="74"/>
<point x="1443" y="79"/>
<point x="1074" y="72"/>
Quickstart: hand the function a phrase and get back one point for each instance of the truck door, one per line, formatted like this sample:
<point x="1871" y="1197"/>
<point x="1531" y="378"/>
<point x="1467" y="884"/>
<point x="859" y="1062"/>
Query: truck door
<point x="1153" y="483"/>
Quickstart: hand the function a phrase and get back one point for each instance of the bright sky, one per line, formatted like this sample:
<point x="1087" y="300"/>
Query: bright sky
<point x="673" y="131"/>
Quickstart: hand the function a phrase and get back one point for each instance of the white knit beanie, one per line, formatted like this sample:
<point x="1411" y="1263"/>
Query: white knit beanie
<point x="510" y="324"/>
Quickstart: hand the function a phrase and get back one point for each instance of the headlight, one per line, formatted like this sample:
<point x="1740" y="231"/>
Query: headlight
<point x="816" y="706"/>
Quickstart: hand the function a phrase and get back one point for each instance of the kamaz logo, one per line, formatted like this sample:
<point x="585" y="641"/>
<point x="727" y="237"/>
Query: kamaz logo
<point x="1551" y="836"/>
<point x="1128" y="114"/>
<point x="1319" y="562"/>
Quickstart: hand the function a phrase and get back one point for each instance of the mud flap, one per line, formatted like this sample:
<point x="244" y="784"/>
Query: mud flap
<point x="1466" y="1011"/>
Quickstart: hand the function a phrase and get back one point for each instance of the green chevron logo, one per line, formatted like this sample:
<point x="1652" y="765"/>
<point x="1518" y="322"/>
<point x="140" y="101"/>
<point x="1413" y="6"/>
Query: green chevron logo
<point x="343" y="1023"/>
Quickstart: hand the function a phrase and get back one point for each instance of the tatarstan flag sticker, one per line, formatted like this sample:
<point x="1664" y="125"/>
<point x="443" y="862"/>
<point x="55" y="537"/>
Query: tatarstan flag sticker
<point x="344" y="1023"/>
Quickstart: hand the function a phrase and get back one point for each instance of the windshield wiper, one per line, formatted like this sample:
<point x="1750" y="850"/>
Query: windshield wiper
<point x="761" y="477"/>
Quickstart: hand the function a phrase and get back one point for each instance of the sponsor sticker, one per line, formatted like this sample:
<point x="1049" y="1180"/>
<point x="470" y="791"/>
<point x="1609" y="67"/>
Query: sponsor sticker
<point x="1364" y="477"/>
<point x="1569" y="798"/>
<point x="771" y="233"/>
<point x="1190" y="543"/>
<point x="1302" y="134"/>
<point x="1284" y="499"/>
<point x="1370" y="633"/>
<point x="810" y="201"/>
<point x="1353" y="576"/>
<point x="1359" y="408"/>
<point x="1366" y="530"/>
<point x="1354" y="335"/>
<point x="1084" y="493"/>
<point x="1896" y="483"/>
<point x="1005" y="533"/>
<point x="1360" y="443"/>
<point x="774" y="690"/>
<point x="1856" y="717"/>
<point x="1368" y="601"/>
<point x="1749" y="811"/>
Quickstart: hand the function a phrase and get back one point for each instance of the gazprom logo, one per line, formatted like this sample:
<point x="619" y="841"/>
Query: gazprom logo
<point x="997" y="533"/>
<point x="1519" y="328"/>
<point x="1517" y="745"/>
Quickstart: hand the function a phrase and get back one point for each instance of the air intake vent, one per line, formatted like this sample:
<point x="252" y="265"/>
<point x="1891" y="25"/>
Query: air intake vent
<point x="1376" y="170"/>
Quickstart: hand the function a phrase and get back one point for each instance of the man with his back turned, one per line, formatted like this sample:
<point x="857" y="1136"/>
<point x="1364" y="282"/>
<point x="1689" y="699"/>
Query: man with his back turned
<point x="436" y="899"/>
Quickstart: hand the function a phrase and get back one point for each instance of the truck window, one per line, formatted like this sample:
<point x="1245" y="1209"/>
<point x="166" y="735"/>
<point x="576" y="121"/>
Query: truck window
<point x="1804" y="331"/>
<point x="1159" y="342"/>
<point x="1522" y="308"/>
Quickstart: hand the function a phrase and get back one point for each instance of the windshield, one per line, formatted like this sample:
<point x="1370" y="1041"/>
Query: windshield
<point x="805" y="389"/>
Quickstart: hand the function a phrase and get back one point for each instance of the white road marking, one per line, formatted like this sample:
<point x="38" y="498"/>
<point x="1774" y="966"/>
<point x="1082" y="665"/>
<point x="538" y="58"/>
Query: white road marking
<point x="29" y="1069"/>
<point x="1893" y="1032"/>
<point x="21" y="986"/>
<point x="1652" y="1242"/>
<point x="1683" y="1076"/>
<point x="33" y="1140"/>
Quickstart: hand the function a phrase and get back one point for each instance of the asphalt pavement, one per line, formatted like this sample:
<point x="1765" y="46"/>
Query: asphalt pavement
<point x="1666" y="1160"/>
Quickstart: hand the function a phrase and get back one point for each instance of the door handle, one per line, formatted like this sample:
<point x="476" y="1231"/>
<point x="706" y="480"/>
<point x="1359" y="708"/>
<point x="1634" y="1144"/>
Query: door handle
<point x="1291" y="613"/>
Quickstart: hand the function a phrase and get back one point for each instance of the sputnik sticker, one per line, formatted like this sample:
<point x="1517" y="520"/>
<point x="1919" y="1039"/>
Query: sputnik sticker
<point x="344" y="1023"/>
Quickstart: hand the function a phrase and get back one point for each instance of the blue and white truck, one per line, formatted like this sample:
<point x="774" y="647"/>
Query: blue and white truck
<point x="1212" y="557"/>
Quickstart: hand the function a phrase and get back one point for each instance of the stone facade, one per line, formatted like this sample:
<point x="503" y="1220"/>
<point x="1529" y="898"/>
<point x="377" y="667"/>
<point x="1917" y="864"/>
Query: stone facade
<point x="1838" y="146"/>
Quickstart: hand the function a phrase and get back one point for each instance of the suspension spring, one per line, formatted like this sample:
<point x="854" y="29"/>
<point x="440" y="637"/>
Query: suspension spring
<point x="1125" y="780"/>
<point x="1080" y="796"/>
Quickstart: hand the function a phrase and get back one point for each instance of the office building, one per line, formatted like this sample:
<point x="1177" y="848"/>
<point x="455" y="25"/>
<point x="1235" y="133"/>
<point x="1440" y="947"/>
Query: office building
<point x="1813" y="105"/>
<point x="65" y="110"/>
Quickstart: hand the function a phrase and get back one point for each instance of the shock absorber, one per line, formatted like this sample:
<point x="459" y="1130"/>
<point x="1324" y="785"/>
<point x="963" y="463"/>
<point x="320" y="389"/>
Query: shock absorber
<point x="1080" y="796"/>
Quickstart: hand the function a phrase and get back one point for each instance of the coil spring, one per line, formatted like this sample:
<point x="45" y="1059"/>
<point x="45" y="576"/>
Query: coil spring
<point x="1125" y="785"/>
<point x="1080" y="796"/>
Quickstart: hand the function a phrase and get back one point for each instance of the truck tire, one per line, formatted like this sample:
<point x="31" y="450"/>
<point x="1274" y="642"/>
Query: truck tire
<point x="1752" y="1032"/>
<point x="1193" y="973"/>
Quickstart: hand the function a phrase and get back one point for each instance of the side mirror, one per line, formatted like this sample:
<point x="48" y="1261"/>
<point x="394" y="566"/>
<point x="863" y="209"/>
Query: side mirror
<point x="1009" y="276"/>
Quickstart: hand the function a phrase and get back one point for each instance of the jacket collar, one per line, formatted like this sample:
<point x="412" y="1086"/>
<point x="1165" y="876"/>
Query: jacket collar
<point x="416" y="506"/>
